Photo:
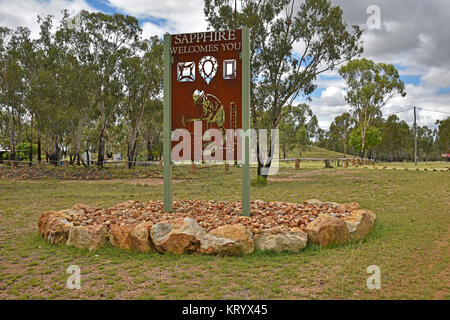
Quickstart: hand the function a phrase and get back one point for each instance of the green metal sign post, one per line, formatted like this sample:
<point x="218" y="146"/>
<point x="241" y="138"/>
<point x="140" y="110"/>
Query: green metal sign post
<point x="168" y="61"/>
<point x="246" y="122"/>
<point x="167" y="124"/>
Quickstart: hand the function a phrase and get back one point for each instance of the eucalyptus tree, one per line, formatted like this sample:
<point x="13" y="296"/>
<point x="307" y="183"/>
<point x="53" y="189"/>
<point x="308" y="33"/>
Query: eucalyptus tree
<point x="48" y="98"/>
<point x="152" y="128"/>
<point x="101" y="42"/>
<point x="340" y="130"/>
<point x="142" y="85"/>
<point x="370" y="87"/>
<point x="373" y="138"/>
<point x="79" y="81"/>
<point x="13" y="82"/>
<point x="425" y="143"/>
<point x="298" y="127"/>
<point x="292" y="43"/>
<point x="443" y="135"/>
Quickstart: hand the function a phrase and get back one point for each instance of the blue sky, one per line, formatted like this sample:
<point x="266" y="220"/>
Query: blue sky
<point x="410" y="36"/>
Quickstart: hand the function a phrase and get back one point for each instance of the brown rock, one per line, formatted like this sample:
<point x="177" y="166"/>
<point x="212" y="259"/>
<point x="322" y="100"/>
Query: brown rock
<point x="132" y="237"/>
<point x="326" y="230"/>
<point x="91" y="238"/>
<point x="119" y="236"/>
<point x="281" y="240"/>
<point x="54" y="227"/>
<point x="360" y="223"/>
<point x="230" y="239"/>
<point x="179" y="236"/>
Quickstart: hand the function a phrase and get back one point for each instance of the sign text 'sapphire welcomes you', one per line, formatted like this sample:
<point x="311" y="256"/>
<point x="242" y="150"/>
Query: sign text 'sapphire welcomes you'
<point x="192" y="43"/>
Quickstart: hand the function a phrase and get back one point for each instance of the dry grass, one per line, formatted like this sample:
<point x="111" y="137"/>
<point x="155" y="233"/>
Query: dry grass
<point x="410" y="242"/>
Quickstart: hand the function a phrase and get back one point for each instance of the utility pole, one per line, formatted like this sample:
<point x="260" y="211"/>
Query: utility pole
<point x="415" y="137"/>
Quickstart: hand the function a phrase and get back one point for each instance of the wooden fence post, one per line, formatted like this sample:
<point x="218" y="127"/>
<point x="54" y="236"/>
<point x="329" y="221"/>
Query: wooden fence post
<point x="297" y="164"/>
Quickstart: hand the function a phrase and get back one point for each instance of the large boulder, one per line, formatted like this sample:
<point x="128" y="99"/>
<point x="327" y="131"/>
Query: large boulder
<point x="281" y="240"/>
<point x="132" y="237"/>
<point x="326" y="230"/>
<point x="360" y="223"/>
<point x="228" y="240"/>
<point x="179" y="236"/>
<point x="92" y="237"/>
<point x="54" y="227"/>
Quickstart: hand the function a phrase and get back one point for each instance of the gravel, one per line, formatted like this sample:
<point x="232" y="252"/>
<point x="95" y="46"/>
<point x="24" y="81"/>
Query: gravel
<point x="209" y="214"/>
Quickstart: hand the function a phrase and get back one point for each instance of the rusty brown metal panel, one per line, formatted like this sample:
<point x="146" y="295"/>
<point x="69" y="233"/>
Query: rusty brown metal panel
<point x="222" y="96"/>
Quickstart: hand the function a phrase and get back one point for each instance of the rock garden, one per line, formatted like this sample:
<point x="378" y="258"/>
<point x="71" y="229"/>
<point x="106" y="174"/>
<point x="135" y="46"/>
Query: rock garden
<point x="207" y="227"/>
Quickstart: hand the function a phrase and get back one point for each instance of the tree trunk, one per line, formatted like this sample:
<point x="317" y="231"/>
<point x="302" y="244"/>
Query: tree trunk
<point x="12" y="142"/>
<point x="363" y="147"/>
<point x="87" y="157"/>
<point x="78" y="144"/>
<point x="101" y="148"/>
<point x="39" y="154"/>
<point x="30" y="155"/>
<point x="261" y="164"/>
<point x="149" y="149"/>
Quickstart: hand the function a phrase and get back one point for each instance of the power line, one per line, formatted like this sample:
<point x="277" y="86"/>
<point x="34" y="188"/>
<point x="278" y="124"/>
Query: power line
<point x="433" y="110"/>
<point x="387" y="115"/>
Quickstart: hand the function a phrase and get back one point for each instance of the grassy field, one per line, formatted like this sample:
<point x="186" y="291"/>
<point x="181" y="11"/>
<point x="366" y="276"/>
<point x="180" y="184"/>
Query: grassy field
<point x="410" y="242"/>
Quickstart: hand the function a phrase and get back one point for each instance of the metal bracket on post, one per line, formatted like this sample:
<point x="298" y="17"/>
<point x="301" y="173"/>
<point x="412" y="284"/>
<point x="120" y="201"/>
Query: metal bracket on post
<point x="245" y="56"/>
<point x="167" y="173"/>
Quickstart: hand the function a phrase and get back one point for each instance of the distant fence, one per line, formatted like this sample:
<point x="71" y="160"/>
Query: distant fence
<point x="298" y="162"/>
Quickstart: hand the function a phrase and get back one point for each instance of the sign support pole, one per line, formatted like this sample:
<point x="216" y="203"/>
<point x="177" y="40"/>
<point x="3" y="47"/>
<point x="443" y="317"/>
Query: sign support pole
<point x="246" y="121"/>
<point x="167" y="173"/>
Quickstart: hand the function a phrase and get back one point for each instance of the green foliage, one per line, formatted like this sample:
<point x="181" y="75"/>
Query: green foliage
<point x="259" y="181"/>
<point x="77" y="82"/>
<point x="279" y="76"/>
<point x="370" y="87"/>
<point x="373" y="138"/>
<point x="297" y="128"/>
<point x="340" y="130"/>
<point x="443" y="139"/>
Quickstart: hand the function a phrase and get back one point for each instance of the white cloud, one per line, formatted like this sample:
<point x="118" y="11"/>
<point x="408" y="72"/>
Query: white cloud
<point x="150" y="29"/>
<point x="437" y="77"/>
<point x="179" y="16"/>
<point x="24" y="12"/>
<point x="333" y="96"/>
<point x="413" y="36"/>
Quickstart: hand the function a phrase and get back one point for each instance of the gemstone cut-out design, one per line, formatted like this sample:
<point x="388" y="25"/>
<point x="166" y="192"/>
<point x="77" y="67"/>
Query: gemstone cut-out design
<point x="229" y="69"/>
<point x="207" y="67"/>
<point x="186" y="71"/>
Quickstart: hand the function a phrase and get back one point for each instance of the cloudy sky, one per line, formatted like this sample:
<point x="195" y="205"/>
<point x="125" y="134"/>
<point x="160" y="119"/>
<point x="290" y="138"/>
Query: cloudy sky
<point x="414" y="35"/>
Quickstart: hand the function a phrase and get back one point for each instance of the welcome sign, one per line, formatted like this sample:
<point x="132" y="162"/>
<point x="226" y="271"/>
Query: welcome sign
<point x="206" y="78"/>
<point x="207" y="102"/>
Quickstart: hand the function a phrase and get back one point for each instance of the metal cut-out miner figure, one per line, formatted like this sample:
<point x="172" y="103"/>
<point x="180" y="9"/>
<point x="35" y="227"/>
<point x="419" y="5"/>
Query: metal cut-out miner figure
<point x="213" y="111"/>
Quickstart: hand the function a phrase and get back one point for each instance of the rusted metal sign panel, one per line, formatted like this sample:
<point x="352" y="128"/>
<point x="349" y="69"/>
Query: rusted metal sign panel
<point x="206" y="82"/>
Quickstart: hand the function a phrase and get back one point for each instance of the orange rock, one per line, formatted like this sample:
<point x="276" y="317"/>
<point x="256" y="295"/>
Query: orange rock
<point x="54" y="227"/>
<point x="278" y="239"/>
<point x="360" y="223"/>
<point x="91" y="238"/>
<point x="229" y="240"/>
<point x="326" y="230"/>
<point x="179" y="236"/>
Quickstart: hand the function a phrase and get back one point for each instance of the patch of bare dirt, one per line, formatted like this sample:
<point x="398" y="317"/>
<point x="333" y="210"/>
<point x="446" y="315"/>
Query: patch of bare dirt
<point x="143" y="181"/>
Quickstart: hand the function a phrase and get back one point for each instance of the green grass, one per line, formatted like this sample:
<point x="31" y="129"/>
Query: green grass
<point x="410" y="242"/>
<point x="312" y="152"/>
